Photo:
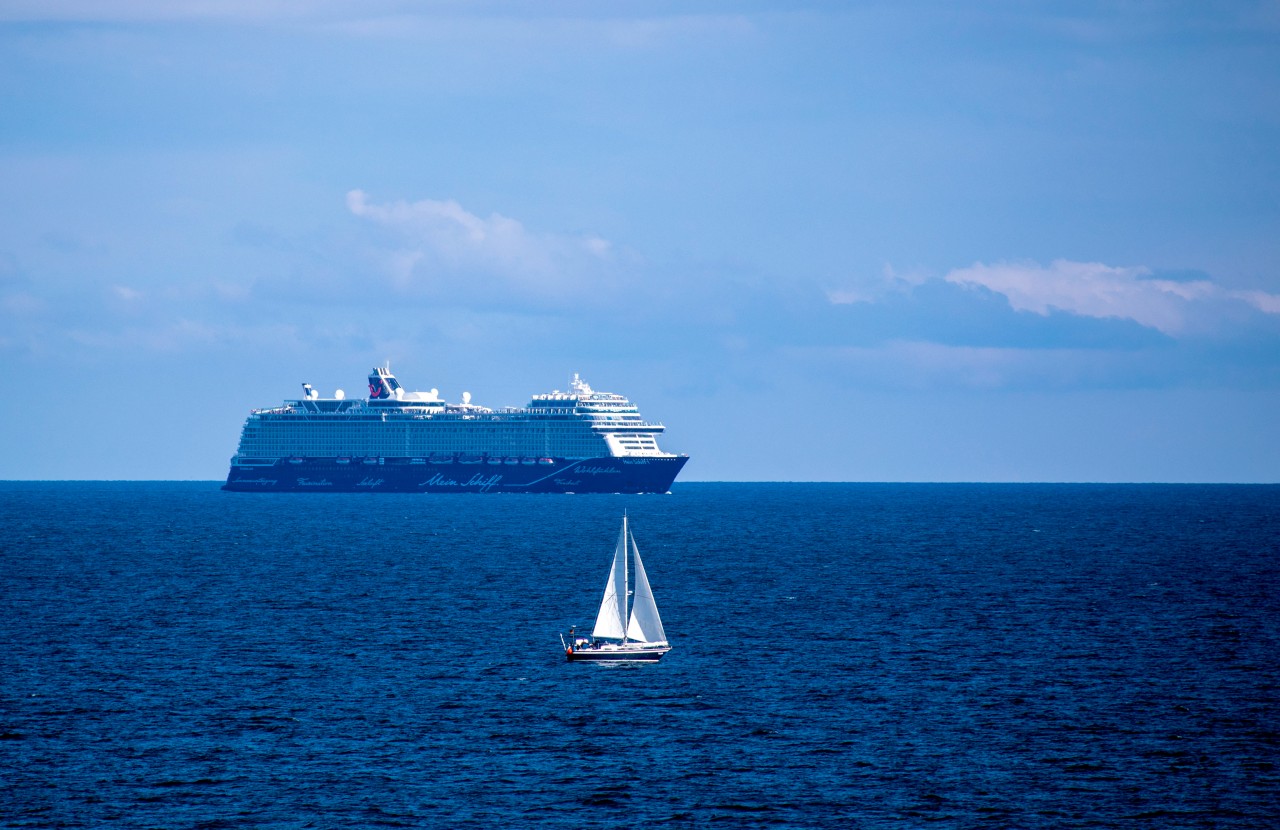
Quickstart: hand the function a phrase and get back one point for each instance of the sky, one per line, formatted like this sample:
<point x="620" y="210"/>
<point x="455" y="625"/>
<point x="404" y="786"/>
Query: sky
<point x="819" y="241"/>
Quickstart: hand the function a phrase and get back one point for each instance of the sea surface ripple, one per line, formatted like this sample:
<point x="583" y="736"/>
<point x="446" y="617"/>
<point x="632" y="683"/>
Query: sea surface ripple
<point x="845" y="656"/>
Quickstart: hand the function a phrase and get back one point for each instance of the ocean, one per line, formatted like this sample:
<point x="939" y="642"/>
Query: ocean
<point x="845" y="656"/>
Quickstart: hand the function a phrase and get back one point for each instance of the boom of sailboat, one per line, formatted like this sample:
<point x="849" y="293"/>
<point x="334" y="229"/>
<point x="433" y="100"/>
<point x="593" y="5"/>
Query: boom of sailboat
<point x="622" y="633"/>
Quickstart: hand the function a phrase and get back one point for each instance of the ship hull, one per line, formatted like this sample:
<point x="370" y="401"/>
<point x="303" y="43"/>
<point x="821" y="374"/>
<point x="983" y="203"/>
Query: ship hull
<point x="618" y="654"/>
<point x="404" y="475"/>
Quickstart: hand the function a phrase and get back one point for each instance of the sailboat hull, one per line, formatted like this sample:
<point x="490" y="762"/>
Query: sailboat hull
<point x="610" y="653"/>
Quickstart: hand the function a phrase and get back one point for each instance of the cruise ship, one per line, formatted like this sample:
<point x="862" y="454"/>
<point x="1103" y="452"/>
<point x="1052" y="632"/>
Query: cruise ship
<point x="579" y="441"/>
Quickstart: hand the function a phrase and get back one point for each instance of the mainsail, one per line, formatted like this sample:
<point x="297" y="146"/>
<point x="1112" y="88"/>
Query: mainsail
<point x="610" y="622"/>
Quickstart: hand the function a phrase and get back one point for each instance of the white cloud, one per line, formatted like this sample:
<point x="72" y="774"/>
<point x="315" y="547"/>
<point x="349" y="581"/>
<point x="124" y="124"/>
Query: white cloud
<point x="440" y="21"/>
<point x="1092" y="289"/>
<point x="446" y="250"/>
<point x="231" y="292"/>
<point x="1261" y="300"/>
<point x="923" y="365"/>
<point x="534" y="27"/>
<point x="139" y="10"/>
<point x="21" y="303"/>
<point x="179" y="335"/>
<point x="872" y="289"/>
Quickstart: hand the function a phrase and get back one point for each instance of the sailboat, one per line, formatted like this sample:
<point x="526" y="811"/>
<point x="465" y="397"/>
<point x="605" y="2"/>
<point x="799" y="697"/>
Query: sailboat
<point x="619" y="635"/>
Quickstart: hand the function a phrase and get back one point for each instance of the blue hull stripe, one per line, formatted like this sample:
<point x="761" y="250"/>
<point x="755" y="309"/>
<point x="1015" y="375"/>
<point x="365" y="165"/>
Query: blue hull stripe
<point x="399" y="475"/>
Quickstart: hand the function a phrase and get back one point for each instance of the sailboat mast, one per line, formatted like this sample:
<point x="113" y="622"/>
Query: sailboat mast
<point x="626" y="582"/>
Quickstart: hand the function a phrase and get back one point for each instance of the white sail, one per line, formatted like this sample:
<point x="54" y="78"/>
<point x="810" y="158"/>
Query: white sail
<point x="611" y="621"/>
<point x="645" y="624"/>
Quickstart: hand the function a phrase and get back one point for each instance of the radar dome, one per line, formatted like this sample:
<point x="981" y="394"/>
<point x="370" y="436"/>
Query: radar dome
<point x="466" y="397"/>
<point x="339" y="394"/>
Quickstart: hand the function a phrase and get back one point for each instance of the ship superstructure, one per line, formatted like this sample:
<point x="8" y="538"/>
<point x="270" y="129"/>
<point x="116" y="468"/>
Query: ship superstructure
<point x="580" y="440"/>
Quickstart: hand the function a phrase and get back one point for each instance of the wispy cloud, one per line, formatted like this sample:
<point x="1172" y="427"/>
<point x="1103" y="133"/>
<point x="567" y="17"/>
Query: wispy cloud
<point x="184" y="335"/>
<point x="1261" y="300"/>
<point x="145" y="10"/>
<point x="915" y="364"/>
<point x="441" y="249"/>
<point x="18" y="298"/>
<point x="926" y="365"/>
<point x="21" y="303"/>
<point x="1092" y="289"/>
<point x="614" y="27"/>
<point x="1062" y="325"/>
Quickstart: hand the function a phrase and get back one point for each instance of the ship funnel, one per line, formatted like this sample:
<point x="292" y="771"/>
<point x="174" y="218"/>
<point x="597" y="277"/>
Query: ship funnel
<point x="382" y="384"/>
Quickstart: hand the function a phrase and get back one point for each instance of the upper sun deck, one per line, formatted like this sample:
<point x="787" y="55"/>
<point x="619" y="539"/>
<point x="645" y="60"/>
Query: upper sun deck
<point x="387" y="401"/>
<point x="582" y="398"/>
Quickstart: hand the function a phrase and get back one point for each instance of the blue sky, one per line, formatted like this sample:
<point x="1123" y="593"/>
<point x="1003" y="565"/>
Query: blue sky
<point x="900" y="241"/>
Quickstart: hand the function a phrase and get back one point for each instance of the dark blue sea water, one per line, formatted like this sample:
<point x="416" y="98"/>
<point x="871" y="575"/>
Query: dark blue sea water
<point x="846" y="656"/>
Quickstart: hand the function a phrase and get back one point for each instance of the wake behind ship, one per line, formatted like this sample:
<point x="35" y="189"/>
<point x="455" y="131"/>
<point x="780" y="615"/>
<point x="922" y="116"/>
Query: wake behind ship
<point x="580" y="441"/>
